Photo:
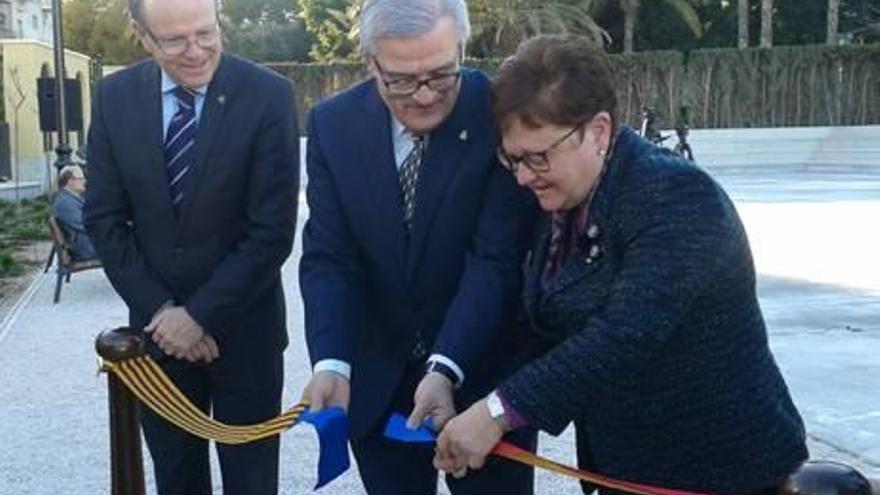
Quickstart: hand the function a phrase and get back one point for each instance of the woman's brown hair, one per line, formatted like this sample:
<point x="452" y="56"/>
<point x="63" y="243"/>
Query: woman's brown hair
<point x="561" y="80"/>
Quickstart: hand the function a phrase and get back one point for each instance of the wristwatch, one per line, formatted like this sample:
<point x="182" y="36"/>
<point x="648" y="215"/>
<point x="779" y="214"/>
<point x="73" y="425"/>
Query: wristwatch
<point x="496" y="407"/>
<point x="444" y="370"/>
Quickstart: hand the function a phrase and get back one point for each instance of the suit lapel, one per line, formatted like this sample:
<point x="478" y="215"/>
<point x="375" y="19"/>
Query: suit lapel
<point x="446" y="149"/>
<point x="380" y="169"/>
<point x="533" y="268"/>
<point x="151" y="127"/>
<point x="583" y="263"/>
<point x="209" y="123"/>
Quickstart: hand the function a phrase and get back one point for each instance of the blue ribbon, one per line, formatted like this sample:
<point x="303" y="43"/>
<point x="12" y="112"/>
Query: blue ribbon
<point x="396" y="429"/>
<point x="332" y="427"/>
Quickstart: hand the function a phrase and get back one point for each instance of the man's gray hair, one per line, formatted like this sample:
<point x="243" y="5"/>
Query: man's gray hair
<point x="408" y="19"/>
<point x="136" y="10"/>
<point x="67" y="173"/>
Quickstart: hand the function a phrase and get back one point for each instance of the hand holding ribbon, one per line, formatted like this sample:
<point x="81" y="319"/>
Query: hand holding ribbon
<point x="396" y="430"/>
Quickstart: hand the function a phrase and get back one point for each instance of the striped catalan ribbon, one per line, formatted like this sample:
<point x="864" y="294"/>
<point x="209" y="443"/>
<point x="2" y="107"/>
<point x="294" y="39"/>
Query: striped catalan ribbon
<point x="514" y="453"/>
<point x="396" y="430"/>
<point x="146" y="380"/>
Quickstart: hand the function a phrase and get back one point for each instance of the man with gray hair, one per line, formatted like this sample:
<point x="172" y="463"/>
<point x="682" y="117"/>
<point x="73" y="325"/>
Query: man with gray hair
<point x="192" y="205"/>
<point x="411" y="254"/>
<point x="67" y="208"/>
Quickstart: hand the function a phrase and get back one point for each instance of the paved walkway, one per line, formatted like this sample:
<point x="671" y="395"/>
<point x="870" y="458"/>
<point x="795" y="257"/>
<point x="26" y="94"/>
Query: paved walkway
<point x="815" y="240"/>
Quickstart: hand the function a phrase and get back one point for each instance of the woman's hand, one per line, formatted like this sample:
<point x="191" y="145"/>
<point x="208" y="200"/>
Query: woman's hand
<point x="467" y="439"/>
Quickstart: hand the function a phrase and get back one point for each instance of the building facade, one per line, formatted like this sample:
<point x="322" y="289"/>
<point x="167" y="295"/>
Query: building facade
<point x="26" y="19"/>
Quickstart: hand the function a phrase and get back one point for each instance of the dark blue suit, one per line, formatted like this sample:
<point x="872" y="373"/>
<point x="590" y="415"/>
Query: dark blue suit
<point x="374" y="292"/>
<point x="220" y="256"/>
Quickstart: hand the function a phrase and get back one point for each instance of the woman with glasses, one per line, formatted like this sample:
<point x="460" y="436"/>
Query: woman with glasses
<point x="640" y="314"/>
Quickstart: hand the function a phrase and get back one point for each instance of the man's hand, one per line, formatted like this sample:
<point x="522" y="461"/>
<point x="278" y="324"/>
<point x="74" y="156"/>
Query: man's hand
<point x="327" y="389"/>
<point x="174" y="331"/>
<point x="205" y="350"/>
<point x="467" y="439"/>
<point x="433" y="398"/>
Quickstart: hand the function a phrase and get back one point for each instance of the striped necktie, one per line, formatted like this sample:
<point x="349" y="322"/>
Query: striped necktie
<point x="409" y="178"/>
<point x="180" y="142"/>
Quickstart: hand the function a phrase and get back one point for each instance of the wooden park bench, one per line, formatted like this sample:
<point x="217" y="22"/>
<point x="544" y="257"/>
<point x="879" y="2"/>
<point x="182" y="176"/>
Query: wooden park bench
<point x="66" y="264"/>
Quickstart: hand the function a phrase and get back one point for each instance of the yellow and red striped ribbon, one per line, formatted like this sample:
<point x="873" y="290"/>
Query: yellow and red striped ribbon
<point x="146" y="380"/>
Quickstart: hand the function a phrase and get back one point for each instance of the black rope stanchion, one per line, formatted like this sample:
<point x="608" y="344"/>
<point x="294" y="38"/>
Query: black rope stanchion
<point x="126" y="457"/>
<point x="826" y="478"/>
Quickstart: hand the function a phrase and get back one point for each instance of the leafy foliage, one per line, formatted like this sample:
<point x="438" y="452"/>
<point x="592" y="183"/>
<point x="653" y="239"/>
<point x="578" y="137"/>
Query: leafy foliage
<point x="499" y="25"/>
<point x="18" y="227"/>
<point x="100" y="28"/>
<point x="332" y="24"/>
<point x="269" y="41"/>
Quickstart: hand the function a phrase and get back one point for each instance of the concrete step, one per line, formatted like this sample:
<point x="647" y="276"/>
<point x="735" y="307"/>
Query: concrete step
<point x="810" y="148"/>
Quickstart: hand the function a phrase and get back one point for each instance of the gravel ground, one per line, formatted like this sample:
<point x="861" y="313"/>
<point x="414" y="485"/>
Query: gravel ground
<point x="819" y="287"/>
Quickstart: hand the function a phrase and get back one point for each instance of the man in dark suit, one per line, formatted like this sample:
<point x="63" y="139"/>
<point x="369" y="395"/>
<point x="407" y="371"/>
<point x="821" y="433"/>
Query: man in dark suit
<point x="411" y="252"/>
<point x="192" y="208"/>
<point x="67" y="208"/>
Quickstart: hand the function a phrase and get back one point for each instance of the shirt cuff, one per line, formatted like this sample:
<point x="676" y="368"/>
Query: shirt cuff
<point x="514" y="419"/>
<point x="440" y="358"/>
<point x="334" y="365"/>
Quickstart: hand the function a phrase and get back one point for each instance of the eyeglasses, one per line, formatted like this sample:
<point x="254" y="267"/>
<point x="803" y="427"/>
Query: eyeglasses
<point x="206" y="40"/>
<point x="410" y="85"/>
<point x="536" y="161"/>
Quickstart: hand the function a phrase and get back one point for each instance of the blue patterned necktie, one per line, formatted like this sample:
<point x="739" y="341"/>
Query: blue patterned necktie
<point x="409" y="178"/>
<point x="180" y="143"/>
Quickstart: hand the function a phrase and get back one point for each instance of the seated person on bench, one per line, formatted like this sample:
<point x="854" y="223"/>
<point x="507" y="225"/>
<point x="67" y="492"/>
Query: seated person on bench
<point x="67" y="209"/>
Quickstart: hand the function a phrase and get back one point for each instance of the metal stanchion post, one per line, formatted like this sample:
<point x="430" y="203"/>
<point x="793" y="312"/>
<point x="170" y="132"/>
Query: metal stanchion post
<point x="826" y="478"/>
<point x="63" y="150"/>
<point x="126" y="457"/>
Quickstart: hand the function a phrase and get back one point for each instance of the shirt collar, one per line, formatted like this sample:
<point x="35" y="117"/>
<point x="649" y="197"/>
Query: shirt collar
<point x="398" y="130"/>
<point x="169" y="84"/>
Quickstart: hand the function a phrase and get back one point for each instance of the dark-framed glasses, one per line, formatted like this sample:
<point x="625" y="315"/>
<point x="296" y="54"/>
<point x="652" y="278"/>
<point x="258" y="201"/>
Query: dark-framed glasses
<point x="440" y="81"/>
<point x="205" y="39"/>
<point x="536" y="161"/>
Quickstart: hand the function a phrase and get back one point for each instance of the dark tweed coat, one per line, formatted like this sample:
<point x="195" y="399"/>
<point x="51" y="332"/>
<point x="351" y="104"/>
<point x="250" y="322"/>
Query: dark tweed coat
<point x="651" y="339"/>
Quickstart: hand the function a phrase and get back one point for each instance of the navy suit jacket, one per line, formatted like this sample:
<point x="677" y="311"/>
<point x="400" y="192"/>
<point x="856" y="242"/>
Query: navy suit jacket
<point x="221" y="256"/>
<point x="371" y="290"/>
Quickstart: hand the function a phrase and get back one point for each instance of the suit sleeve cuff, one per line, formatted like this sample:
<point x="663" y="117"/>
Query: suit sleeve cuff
<point x="334" y="365"/>
<point x="440" y="358"/>
<point x="514" y="419"/>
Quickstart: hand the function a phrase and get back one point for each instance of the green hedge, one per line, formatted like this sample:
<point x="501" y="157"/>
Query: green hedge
<point x="783" y="86"/>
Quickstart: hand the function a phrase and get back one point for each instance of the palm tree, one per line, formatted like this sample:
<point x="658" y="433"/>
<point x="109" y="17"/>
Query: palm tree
<point x="630" y="10"/>
<point x="499" y="25"/>
<point x="766" y="23"/>
<point x="743" y="18"/>
<point x="833" y="9"/>
<point x="686" y="9"/>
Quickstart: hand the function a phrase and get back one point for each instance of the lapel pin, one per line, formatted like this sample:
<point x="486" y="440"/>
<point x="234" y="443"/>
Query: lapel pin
<point x="463" y="135"/>
<point x="221" y="99"/>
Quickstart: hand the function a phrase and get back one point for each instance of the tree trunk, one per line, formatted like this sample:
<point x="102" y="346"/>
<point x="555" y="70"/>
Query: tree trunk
<point x="743" y="17"/>
<point x="630" y="15"/>
<point x="766" y="23"/>
<point x="833" y="9"/>
<point x="629" y="27"/>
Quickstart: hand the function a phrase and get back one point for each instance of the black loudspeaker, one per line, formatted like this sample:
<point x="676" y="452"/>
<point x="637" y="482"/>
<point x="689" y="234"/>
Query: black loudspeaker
<point x="47" y="104"/>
